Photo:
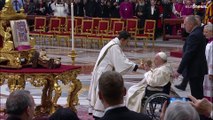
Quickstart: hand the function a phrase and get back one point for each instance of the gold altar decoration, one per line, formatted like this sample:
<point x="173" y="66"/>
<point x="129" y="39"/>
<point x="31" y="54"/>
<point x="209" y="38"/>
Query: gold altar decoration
<point x="144" y="63"/>
<point x="7" y="53"/>
<point x="49" y="81"/>
<point x="73" y="55"/>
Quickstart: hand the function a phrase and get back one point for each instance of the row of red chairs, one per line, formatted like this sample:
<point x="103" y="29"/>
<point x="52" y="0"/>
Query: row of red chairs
<point x="90" y="29"/>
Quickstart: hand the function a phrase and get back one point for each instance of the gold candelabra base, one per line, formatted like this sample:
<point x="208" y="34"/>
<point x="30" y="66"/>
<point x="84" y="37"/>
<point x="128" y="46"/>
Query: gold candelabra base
<point x="73" y="55"/>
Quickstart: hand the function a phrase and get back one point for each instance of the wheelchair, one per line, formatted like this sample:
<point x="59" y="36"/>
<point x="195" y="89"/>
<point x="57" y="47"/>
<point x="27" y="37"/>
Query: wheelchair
<point x="154" y="99"/>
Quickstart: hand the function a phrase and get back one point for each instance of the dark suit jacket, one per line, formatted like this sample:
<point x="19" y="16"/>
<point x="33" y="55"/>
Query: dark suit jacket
<point x="149" y="15"/>
<point x="123" y="113"/>
<point x="79" y="9"/>
<point x="167" y="10"/>
<point x="90" y="8"/>
<point x="12" y="118"/>
<point x="114" y="12"/>
<point x="193" y="63"/>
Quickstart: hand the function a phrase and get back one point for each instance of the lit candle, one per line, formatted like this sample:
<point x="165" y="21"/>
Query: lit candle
<point x="72" y="26"/>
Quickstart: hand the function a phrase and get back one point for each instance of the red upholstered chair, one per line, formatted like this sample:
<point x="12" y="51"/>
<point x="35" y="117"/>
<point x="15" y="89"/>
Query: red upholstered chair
<point x="66" y="34"/>
<point x="39" y="24"/>
<point x="54" y="25"/>
<point x="63" y="23"/>
<point x="149" y="32"/>
<point x="39" y="27"/>
<point x="112" y="20"/>
<point x="53" y="29"/>
<point x="68" y="26"/>
<point x="131" y="26"/>
<point x="118" y="26"/>
<point x="86" y="29"/>
<point x="79" y="24"/>
<point x="102" y="30"/>
<point x="95" y="23"/>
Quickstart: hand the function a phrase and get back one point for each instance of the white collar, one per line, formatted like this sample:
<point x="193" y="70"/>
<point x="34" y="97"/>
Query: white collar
<point x="165" y="64"/>
<point x="113" y="107"/>
<point x="117" y="41"/>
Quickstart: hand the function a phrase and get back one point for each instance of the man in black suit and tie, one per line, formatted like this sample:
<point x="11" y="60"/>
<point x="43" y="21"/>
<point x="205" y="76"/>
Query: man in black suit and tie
<point x="193" y="65"/>
<point x="111" y="93"/>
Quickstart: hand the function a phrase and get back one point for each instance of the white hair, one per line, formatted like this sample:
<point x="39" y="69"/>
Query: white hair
<point x="209" y="27"/>
<point x="180" y="110"/>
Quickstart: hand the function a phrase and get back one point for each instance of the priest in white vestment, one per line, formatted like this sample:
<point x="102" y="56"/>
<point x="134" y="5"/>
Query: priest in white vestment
<point x="60" y="8"/>
<point x="111" y="58"/>
<point x="158" y="77"/>
<point x="208" y="79"/>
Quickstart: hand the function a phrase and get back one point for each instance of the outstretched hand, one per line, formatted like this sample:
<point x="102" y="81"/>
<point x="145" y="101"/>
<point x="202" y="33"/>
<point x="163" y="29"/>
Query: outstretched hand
<point x="175" y="74"/>
<point x="203" y="106"/>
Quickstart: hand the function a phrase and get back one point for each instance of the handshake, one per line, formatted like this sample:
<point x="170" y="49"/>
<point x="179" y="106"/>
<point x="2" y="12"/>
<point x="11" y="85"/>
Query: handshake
<point x="145" y="64"/>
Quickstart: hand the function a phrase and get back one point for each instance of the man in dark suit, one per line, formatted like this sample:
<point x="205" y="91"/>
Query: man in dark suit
<point x="193" y="65"/>
<point x="183" y="84"/>
<point x="111" y="93"/>
<point x="152" y="11"/>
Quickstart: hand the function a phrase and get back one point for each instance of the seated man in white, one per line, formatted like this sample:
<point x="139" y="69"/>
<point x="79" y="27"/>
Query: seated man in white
<point x="157" y="77"/>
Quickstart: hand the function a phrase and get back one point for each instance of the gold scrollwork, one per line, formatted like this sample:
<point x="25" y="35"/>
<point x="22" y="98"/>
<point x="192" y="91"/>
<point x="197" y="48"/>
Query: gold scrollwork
<point x="37" y="80"/>
<point x="16" y="82"/>
<point x="2" y="79"/>
<point x="75" y="86"/>
<point x="58" y="91"/>
<point x="49" y="81"/>
<point x="7" y="37"/>
<point x="14" y="57"/>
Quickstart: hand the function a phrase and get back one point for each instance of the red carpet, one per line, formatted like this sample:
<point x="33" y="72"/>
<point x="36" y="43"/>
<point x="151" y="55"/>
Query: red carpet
<point x="177" y="54"/>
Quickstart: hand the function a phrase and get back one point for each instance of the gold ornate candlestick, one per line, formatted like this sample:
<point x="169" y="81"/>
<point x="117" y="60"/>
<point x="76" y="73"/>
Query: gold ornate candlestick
<point x="73" y="55"/>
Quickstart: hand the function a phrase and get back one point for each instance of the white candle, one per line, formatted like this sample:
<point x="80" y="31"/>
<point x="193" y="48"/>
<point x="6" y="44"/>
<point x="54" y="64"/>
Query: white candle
<point x="72" y="25"/>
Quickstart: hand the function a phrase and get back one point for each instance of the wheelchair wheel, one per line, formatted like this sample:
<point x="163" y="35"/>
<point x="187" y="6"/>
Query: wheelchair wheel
<point x="154" y="104"/>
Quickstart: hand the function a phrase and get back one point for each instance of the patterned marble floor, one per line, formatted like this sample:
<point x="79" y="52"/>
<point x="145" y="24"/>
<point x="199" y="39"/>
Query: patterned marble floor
<point x="87" y="58"/>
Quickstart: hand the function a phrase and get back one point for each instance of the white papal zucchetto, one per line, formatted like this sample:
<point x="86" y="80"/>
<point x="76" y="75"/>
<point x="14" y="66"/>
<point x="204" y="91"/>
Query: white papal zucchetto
<point x="162" y="55"/>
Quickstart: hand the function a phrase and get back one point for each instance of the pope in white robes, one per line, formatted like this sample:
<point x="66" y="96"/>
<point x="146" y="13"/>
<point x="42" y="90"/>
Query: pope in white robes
<point x="158" y="77"/>
<point x="111" y="58"/>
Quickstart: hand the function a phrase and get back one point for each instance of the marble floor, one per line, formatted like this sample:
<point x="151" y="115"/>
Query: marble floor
<point x="86" y="58"/>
